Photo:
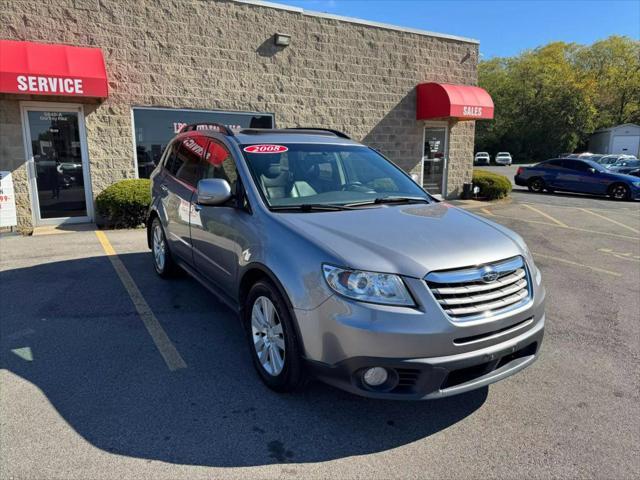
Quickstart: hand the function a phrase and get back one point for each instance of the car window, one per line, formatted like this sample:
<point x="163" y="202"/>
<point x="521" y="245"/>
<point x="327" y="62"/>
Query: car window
<point x="184" y="163"/>
<point x="552" y="164"/>
<point x="218" y="163"/>
<point x="169" y="155"/>
<point x="576" y="165"/>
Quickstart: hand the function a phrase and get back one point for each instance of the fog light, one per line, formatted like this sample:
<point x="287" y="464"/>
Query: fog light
<point x="376" y="376"/>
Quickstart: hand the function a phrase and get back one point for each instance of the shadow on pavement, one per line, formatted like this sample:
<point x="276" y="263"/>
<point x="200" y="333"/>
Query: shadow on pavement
<point x="71" y="330"/>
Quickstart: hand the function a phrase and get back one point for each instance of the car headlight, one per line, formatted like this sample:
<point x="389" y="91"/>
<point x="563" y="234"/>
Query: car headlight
<point x="383" y="288"/>
<point x="636" y="184"/>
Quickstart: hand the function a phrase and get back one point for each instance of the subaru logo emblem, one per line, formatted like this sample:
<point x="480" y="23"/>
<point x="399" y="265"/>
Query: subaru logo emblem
<point x="489" y="276"/>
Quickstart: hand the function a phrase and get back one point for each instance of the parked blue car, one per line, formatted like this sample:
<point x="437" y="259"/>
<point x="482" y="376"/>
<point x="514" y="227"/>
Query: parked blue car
<point x="577" y="175"/>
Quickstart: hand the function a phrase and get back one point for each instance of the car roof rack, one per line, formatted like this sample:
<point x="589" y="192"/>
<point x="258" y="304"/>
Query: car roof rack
<point x="203" y="127"/>
<point x="337" y="133"/>
<point x="300" y="130"/>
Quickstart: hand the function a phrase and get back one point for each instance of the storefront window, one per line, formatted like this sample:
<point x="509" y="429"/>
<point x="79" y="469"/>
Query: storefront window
<point x="155" y="127"/>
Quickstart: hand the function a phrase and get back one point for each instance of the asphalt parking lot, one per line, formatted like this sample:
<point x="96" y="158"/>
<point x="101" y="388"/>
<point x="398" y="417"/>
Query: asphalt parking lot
<point x="109" y="372"/>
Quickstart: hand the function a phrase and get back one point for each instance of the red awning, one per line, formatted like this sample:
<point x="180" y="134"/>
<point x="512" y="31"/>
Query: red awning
<point x="45" y="69"/>
<point x="464" y="102"/>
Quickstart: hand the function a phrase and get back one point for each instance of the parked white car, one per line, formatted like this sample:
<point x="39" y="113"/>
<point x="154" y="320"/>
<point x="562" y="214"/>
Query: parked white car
<point x="503" y="158"/>
<point x="481" y="158"/>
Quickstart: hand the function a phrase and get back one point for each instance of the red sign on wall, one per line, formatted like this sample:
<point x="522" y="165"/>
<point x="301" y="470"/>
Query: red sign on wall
<point x="44" y="69"/>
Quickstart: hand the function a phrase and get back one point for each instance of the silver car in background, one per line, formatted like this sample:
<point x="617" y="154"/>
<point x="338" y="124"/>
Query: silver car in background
<point x="503" y="158"/>
<point x="482" y="158"/>
<point x="341" y="267"/>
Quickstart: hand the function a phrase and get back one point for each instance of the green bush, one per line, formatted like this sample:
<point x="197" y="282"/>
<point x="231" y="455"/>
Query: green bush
<point x="492" y="185"/>
<point x="125" y="204"/>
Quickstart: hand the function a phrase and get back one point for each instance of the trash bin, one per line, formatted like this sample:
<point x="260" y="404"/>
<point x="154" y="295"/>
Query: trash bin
<point x="467" y="191"/>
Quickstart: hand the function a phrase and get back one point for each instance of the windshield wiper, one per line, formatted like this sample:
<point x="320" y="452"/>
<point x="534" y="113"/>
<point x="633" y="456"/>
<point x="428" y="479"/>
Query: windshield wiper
<point x="389" y="199"/>
<point x="311" y="207"/>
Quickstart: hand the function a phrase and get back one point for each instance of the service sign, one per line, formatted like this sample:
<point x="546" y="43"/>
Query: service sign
<point x="53" y="85"/>
<point x="265" y="149"/>
<point x="7" y="201"/>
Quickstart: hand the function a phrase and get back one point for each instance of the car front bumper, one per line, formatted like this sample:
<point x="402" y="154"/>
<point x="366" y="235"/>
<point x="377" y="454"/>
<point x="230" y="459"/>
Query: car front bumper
<point x="426" y="354"/>
<point x="436" y="377"/>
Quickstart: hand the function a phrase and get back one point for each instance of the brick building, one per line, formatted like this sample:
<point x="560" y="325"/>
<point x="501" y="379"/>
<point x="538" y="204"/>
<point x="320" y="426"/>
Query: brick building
<point x="91" y="91"/>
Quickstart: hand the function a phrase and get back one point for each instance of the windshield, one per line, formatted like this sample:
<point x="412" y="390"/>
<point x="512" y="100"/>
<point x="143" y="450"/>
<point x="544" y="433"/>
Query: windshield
<point x="325" y="174"/>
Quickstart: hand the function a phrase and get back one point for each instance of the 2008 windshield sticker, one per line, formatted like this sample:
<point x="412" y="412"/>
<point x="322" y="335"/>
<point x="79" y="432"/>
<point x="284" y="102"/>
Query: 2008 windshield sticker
<point x="265" y="149"/>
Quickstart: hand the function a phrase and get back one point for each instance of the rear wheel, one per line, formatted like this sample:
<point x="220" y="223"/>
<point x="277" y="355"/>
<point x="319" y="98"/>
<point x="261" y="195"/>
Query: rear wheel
<point x="536" y="185"/>
<point x="619" y="191"/>
<point x="272" y="338"/>
<point x="162" y="259"/>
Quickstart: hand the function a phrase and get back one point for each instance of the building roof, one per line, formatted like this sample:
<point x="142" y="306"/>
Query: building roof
<point x="617" y="126"/>
<point x="358" y="21"/>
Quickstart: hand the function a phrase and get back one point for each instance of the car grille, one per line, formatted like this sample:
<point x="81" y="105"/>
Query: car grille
<point x="464" y="294"/>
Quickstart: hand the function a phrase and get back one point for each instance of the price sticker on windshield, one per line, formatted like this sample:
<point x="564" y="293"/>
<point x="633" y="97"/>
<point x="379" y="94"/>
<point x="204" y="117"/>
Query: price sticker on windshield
<point x="265" y="149"/>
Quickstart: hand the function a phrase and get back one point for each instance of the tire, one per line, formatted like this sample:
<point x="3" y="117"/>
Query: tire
<point x="619" y="191"/>
<point x="536" y="185"/>
<point x="279" y="363"/>
<point x="162" y="260"/>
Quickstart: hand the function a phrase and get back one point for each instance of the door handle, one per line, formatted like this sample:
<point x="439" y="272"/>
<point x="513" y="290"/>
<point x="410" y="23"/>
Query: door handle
<point x="163" y="187"/>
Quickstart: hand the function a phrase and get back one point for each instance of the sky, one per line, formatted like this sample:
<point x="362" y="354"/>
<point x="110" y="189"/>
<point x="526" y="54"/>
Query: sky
<point x="504" y="28"/>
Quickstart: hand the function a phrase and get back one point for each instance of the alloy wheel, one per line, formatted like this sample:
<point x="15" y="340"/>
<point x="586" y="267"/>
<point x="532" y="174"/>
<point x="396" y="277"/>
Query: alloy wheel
<point x="619" y="192"/>
<point x="268" y="336"/>
<point x="537" y="185"/>
<point x="159" y="248"/>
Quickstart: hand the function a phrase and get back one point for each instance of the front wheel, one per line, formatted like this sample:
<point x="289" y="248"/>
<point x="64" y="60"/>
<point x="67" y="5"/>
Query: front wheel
<point x="536" y="185"/>
<point x="272" y="338"/>
<point x="619" y="191"/>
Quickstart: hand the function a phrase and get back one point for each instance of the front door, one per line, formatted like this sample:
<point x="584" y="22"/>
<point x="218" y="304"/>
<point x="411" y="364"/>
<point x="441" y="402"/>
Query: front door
<point x="434" y="159"/>
<point x="216" y="230"/>
<point x="57" y="164"/>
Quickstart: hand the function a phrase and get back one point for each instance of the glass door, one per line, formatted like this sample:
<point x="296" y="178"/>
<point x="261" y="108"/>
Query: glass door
<point x="434" y="159"/>
<point x="57" y="164"/>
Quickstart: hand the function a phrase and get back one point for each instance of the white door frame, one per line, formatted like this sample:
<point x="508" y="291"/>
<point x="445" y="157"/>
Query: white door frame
<point x="31" y="171"/>
<point x="445" y="168"/>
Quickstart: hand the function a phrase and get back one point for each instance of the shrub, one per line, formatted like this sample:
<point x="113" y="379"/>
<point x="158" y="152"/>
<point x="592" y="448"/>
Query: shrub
<point x="125" y="204"/>
<point x="492" y="185"/>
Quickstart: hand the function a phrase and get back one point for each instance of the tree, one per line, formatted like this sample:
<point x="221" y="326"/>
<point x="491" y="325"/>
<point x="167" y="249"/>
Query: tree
<point x="548" y="100"/>
<point x="613" y="65"/>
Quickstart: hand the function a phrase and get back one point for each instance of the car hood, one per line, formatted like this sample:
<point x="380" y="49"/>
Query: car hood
<point x="410" y="240"/>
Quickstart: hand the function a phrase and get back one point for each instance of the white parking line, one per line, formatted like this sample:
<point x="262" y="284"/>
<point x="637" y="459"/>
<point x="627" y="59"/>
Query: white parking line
<point x="555" y="225"/>
<point x="546" y="215"/>
<point x="576" y="264"/>
<point x="615" y="222"/>
<point x="164" y="345"/>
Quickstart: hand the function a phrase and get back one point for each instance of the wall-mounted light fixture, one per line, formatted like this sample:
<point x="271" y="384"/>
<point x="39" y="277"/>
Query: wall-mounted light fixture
<point x="282" y="39"/>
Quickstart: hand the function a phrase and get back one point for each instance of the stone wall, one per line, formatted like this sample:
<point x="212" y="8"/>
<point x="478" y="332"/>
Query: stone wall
<point x="220" y="55"/>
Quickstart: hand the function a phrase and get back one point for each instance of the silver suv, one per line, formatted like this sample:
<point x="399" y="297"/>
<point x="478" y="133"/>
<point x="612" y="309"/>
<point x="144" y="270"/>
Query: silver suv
<point x="341" y="267"/>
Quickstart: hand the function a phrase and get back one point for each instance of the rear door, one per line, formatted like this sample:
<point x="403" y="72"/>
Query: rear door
<point x="179" y="186"/>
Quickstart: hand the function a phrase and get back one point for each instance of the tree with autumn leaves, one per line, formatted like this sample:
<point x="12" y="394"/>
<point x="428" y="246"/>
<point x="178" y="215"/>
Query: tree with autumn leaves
<point x="549" y="100"/>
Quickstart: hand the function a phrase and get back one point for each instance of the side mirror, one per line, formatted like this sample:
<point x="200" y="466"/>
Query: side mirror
<point x="213" y="191"/>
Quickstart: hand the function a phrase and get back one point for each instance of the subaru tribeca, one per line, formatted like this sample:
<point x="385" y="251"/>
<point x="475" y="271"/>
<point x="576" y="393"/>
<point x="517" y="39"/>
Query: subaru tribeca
<point x="341" y="267"/>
